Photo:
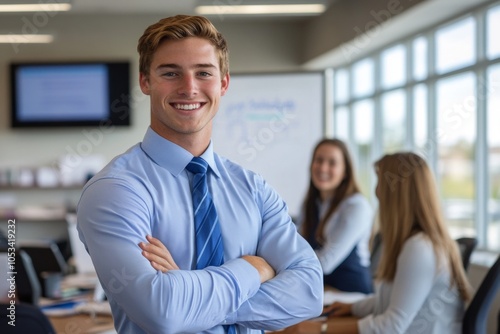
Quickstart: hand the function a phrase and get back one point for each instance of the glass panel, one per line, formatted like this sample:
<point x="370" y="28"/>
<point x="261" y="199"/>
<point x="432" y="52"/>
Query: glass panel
<point x="493" y="27"/>
<point x="341" y="86"/>
<point x="455" y="45"/>
<point x="342" y="123"/>
<point x="493" y="121"/>
<point x="420" y="119"/>
<point x="362" y="73"/>
<point x="456" y="134"/>
<point x="420" y="58"/>
<point x="393" y="66"/>
<point x="363" y="113"/>
<point x="393" y="121"/>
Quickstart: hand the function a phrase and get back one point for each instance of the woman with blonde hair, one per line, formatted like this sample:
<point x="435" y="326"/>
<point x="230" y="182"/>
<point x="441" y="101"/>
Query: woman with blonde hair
<point x="421" y="284"/>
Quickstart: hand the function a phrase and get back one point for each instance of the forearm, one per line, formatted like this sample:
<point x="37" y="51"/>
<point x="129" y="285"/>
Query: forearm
<point x="296" y="292"/>
<point x="364" y="307"/>
<point x="266" y="272"/>
<point x="178" y="301"/>
<point x="294" y="295"/>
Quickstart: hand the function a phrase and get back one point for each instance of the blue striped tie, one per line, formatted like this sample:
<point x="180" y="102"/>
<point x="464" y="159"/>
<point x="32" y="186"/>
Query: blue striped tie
<point x="209" y="246"/>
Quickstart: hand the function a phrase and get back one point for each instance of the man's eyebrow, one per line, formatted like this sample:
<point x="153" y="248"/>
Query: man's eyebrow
<point x="176" y="66"/>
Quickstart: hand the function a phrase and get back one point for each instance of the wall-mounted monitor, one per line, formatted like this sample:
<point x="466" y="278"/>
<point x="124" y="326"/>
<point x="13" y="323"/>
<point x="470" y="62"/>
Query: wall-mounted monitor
<point x="61" y="94"/>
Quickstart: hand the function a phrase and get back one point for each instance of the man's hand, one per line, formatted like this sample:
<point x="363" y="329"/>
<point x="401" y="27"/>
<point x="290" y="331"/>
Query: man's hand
<point x="266" y="272"/>
<point x="157" y="254"/>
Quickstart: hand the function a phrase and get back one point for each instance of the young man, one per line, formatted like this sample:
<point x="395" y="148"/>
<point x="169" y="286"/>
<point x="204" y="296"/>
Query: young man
<point x="270" y="277"/>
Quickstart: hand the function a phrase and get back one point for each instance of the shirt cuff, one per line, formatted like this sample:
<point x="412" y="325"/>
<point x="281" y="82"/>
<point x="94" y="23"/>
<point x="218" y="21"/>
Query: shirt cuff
<point x="248" y="279"/>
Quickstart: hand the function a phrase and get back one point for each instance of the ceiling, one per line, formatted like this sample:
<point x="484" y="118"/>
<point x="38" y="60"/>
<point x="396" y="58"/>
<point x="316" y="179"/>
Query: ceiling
<point x="134" y="6"/>
<point x="151" y="7"/>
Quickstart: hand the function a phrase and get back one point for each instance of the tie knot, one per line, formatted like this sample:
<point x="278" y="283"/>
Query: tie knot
<point x="197" y="166"/>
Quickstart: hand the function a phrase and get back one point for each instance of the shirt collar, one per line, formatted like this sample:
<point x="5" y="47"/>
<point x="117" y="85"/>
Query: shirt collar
<point x="171" y="156"/>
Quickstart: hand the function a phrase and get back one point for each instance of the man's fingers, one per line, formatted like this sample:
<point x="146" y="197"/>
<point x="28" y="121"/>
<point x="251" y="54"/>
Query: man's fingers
<point x="155" y="242"/>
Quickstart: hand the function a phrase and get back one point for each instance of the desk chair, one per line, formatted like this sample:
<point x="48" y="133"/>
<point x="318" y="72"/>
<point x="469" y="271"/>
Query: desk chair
<point x="46" y="258"/>
<point x="476" y="315"/>
<point x="4" y="242"/>
<point x="29" y="319"/>
<point x="466" y="247"/>
<point x="27" y="284"/>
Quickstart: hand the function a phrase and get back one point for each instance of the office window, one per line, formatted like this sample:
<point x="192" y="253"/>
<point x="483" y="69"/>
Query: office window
<point x="393" y="120"/>
<point x="420" y="119"/>
<point x="456" y="129"/>
<point x="443" y="118"/>
<point x="493" y="122"/>
<point x="492" y="29"/>
<point x="342" y="123"/>
<point x="455" y="45"/>
<point x="341" y="86"/>
<point x="393" y="62"/>
<point x="362" y="77"/>
<point x="363" y="112"/>
<point x="419" y="68"/>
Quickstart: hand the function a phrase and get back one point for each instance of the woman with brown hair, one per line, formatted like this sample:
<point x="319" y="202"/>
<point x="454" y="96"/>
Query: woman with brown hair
<point x="336" y="219"/>
<point x="421" y="284"/>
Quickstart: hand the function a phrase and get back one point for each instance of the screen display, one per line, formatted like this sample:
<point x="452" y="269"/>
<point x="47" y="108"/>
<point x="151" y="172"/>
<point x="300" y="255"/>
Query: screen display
<point x="70" y="94"/>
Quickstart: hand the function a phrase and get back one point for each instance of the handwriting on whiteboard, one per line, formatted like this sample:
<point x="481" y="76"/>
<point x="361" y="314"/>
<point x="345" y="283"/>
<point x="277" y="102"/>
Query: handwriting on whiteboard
<point x="256" y="124"/>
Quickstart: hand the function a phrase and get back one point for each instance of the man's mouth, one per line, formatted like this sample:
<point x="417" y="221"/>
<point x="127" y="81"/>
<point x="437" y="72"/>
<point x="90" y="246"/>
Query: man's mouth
<point x="189" y="106"/>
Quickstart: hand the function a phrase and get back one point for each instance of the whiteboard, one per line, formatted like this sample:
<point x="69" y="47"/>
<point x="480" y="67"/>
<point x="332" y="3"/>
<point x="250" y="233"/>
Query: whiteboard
<point x="270" y="123"/>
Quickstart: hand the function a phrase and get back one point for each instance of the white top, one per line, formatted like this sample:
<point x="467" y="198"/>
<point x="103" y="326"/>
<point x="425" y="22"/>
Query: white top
<point x="419" y="300"/>
<point x="349" y="225"/>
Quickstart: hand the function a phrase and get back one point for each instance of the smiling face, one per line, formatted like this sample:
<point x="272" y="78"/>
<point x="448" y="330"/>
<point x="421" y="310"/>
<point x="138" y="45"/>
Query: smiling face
<point x="185" y="87"/>
<point x="327" y="169"/>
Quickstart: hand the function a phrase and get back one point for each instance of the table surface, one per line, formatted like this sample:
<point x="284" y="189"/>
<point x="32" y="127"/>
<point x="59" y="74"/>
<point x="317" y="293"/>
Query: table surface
<point x="82" y="323"/>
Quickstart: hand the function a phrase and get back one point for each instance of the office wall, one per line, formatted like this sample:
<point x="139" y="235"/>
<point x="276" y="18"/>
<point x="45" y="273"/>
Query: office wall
<point x="79" y="37"/>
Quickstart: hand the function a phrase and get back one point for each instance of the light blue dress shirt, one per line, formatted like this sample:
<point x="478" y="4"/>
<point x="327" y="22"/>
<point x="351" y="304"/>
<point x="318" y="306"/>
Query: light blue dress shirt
<point x="146" y="190"/>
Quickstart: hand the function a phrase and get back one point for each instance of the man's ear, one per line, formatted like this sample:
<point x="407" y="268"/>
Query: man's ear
<point x="144" y="83"/>
<point x="224" y="84"/>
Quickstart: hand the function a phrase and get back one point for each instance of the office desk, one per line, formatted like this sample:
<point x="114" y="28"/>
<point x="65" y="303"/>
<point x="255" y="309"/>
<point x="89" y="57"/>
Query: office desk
<point x="76" y="322"/>
<point x="82" y="323"/>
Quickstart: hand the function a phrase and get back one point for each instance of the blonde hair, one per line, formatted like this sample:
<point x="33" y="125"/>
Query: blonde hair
<point x="409" y="204"/>
<point x="176" y="28"/>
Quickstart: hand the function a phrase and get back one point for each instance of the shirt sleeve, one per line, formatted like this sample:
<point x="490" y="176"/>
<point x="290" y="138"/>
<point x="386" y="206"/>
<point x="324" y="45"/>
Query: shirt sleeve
<point x="352" y="222"/>
<point x="113" y="217"/>
<point x="364" y="307"/>
<point x="296" y="293"/>
<point x="415" y="273"/>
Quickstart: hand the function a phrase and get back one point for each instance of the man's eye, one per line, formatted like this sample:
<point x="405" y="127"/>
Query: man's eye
<point x="168" y="74"/>
<point x="204" y="74"/>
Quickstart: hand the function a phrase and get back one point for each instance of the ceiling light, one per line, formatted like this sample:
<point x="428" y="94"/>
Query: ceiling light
<point x="25" y="38"/>
<point x="261" y="9"/>
<point x="38" y="7"/>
